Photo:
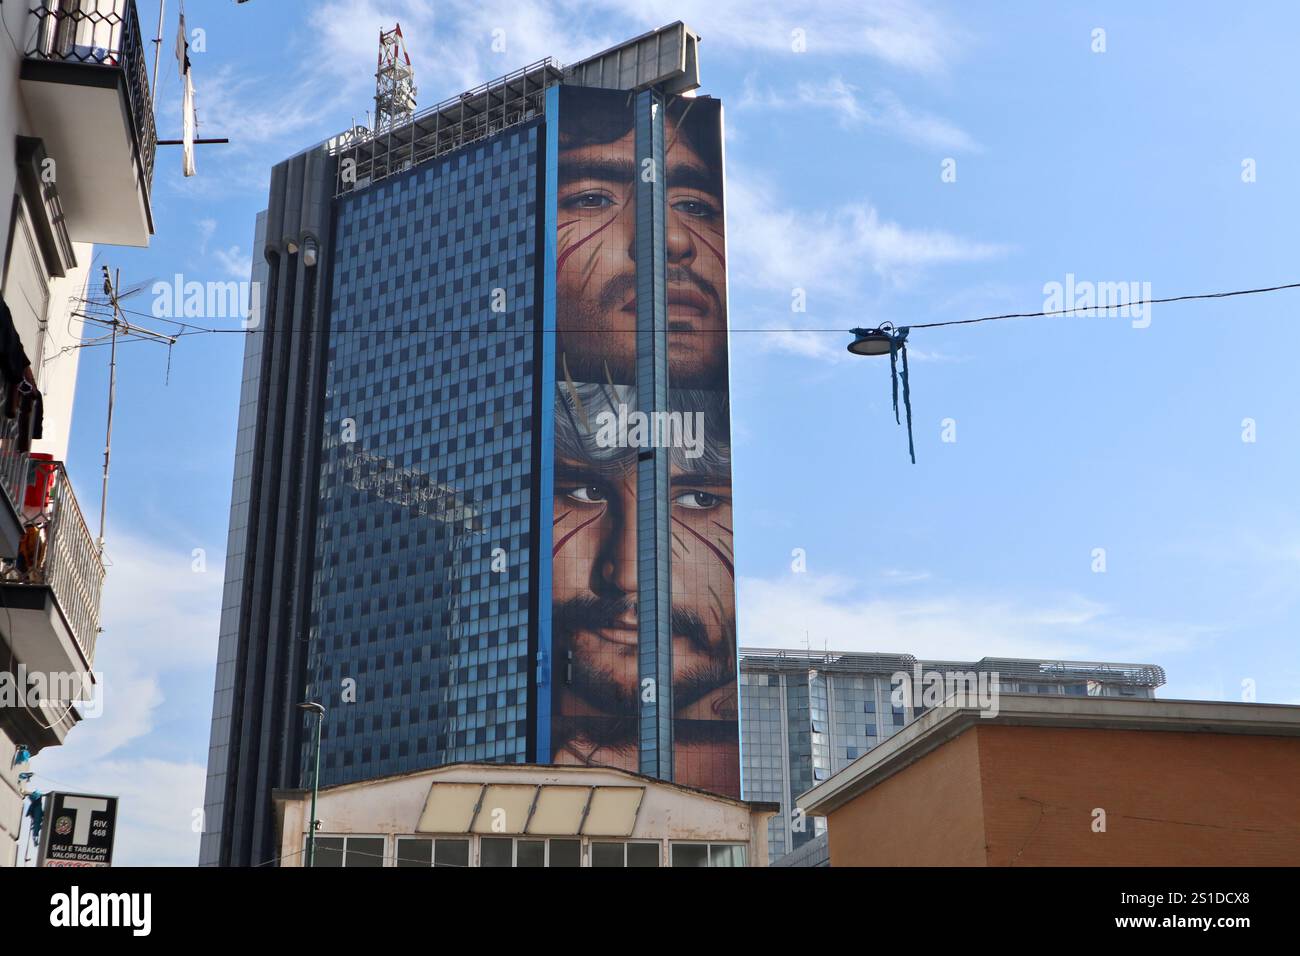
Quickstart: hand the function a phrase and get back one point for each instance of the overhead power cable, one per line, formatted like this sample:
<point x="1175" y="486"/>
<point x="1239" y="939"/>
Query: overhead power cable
<point x="191" y="329"/>
<point x="1093" y="308"/>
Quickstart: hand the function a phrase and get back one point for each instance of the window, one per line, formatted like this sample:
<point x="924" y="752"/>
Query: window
<point x="415" y="853"/>
<point x="451" y="853"/>
<point x="690" y="854"/>
<point x="329" y="852"/>
<point x="530" y="853"/>
<point x="726" y="854"/>
<point x="607" y="854"/>
<point x="364" y="851"/>
<point x="643" y="854"/>
<point x="347" y="851"/>
<point x="708" y="854"/>
<point x="422" y="851"/>
<point x="527" y="852"/>
<point x="496" y="851"/>
<point x="566" y="853"/>
<point x="625" y="854"/>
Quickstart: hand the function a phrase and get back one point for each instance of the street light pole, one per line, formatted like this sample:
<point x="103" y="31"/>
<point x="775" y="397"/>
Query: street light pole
<point x="319" y="711"/>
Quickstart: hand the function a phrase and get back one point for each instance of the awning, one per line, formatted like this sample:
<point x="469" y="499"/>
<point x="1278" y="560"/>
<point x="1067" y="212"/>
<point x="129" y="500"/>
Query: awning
<point x="543" y="809"/>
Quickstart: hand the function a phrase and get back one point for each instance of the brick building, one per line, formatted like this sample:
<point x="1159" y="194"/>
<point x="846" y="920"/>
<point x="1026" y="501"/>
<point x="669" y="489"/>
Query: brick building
<point x="1073" y="782"/>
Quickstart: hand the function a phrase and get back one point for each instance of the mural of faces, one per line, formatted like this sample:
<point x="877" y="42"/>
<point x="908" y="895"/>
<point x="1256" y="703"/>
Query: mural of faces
<point x="596" y="247"/>
<point x="594" y="538"/>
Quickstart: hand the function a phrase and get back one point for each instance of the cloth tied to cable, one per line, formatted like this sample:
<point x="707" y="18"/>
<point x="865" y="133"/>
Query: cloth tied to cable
<point x="897" y="349"/>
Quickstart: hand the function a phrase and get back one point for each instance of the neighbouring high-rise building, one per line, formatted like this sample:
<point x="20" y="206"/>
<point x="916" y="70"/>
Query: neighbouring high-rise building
<point x="482" y="493"/>
<point x="808" y="715"/>
<point x="78" y="126"/>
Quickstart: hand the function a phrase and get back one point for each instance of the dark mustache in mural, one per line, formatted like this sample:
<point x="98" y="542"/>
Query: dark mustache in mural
<point x="598" y="614"/>
<point x="619" y="293"/>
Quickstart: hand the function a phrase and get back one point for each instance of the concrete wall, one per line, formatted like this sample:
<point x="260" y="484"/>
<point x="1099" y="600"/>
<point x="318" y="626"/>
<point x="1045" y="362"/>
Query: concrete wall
<point x="55" y="370"/>
<point x="44" y="339"/>
<point x="13" y="114"/>
<point x="931" y="814"/>
<point x="13" y="119"/>
<point x="57" y="375"/>
<point x="393" y="806"/>
<point x="11" y="802"/>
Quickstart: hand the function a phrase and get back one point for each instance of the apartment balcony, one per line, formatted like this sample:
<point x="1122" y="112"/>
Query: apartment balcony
<point x="86" y="88"/>
<point x="51" y="582"/>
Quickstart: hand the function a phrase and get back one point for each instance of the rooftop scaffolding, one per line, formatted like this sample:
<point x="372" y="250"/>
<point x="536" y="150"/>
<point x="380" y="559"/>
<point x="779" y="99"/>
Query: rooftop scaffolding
<point x="367" y="156"/>
<point x="1131" y="675"/>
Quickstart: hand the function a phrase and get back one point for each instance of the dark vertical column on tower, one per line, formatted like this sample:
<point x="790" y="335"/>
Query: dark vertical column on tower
<point x="654" y="600"/>
<point x="266" y="729"/>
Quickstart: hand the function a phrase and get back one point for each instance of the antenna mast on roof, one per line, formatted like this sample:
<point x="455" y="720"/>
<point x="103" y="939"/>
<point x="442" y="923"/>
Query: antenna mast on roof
<point x="394" y="82"/>
<point x="118" y="328"/>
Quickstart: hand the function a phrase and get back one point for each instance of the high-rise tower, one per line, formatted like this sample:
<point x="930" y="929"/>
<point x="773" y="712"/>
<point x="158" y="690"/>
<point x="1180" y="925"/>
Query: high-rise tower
<point x="482" y="497"/>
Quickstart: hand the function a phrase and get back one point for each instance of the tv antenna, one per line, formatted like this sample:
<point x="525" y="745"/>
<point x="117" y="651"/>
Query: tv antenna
<point x="117" y="326"/>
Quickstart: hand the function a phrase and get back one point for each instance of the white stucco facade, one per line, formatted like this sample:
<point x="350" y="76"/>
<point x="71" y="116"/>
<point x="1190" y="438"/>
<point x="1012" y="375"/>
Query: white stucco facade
<point x="77" y="133"/>
<point x="527" y="805"/>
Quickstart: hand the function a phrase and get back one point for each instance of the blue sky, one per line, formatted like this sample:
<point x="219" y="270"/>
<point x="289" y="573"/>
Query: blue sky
<point x="1072" y="434"/>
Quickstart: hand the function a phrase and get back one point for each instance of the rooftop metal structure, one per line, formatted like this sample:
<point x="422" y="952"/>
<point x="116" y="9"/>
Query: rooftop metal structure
<point x="666" y="58"/>
<point x="1131" y="675"/>
<point x="394" y="81"/>
<point x="367" y="156"/>
<point x="802" y="660"/>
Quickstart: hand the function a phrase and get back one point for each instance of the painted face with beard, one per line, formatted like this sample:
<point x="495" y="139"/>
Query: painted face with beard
<point x="594" y="625"/>
<point x="596" y="248"/>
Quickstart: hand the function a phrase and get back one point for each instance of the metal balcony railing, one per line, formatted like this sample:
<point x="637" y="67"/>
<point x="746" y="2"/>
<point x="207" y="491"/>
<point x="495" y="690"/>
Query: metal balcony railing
<point x="101" y="34"/>
<point x="63" y="556"/>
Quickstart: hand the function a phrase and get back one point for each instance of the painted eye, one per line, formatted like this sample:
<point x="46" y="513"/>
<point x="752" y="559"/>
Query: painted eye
<point x="697" y="500"/>
<point x="695" y="207"/>
<point x="591" y="201"/>
<point x="587" y="494"/>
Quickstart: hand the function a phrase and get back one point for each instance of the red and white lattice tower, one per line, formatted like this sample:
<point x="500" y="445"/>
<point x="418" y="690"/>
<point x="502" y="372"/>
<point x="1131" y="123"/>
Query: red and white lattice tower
<point x="394" y="81"/>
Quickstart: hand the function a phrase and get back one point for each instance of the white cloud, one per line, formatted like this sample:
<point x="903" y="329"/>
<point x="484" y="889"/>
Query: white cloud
<point x="901" y="33"/>
<point x="157" y="611"/>
<point x="883" y="111"/>
<point x="452" y="42"/>
<point x="239" y="105"/>
<point x="902" y="576"/>
<point x="206" y="228"/>
<point x="459" y="44"/>
<point x="829" y="251"/>
<point x="836" y="256"/>
<point x="846" y="615"/>
<point x="234" y="261"/>
<point x="160" y="621"/>
<point x="818" y="346"/>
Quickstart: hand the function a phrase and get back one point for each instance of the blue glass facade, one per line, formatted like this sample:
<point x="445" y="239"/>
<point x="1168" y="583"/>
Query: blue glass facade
<point x="420" y="620"/>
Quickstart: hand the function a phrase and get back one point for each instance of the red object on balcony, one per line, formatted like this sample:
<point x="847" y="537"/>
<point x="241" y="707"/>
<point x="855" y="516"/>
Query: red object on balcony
<point x="38" y="492"/>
